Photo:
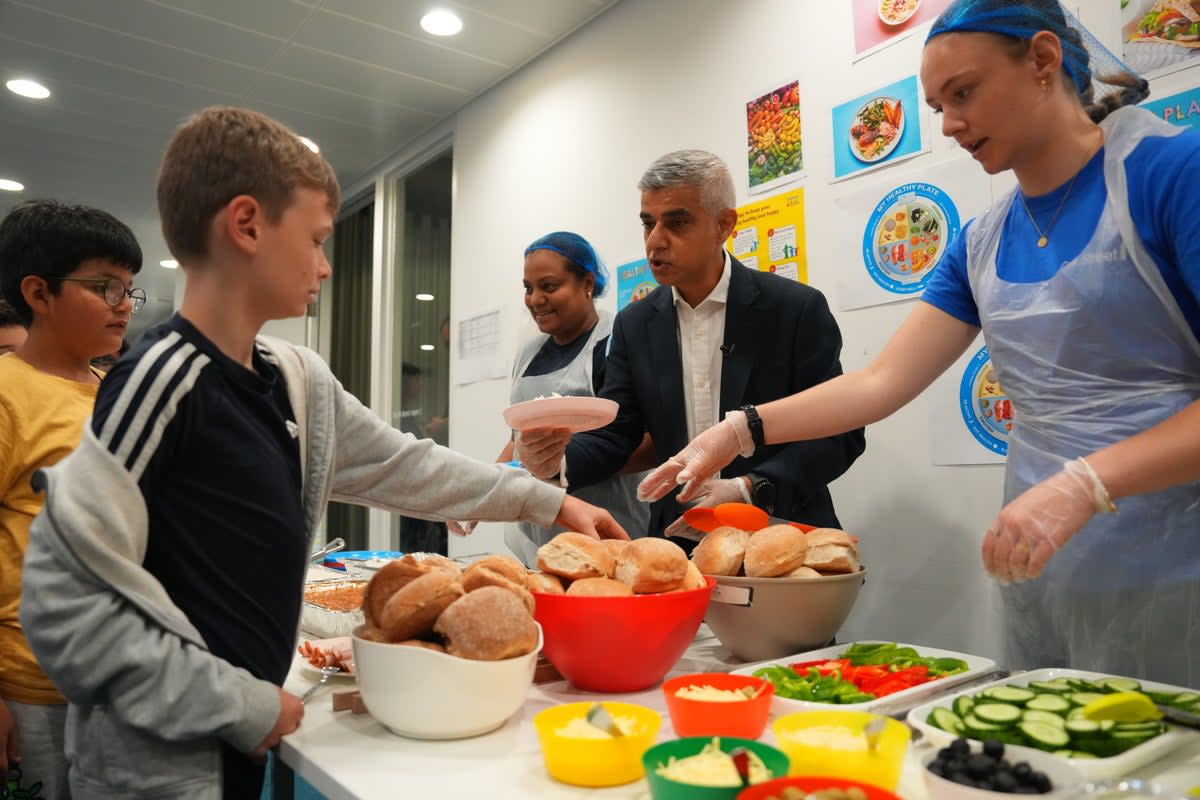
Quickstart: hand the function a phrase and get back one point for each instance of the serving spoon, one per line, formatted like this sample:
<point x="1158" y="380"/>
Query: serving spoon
<point x="326" y="674"/>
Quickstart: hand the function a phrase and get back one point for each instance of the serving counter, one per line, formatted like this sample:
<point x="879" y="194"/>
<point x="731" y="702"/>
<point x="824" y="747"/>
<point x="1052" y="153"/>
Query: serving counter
<point x="346" y="756"/>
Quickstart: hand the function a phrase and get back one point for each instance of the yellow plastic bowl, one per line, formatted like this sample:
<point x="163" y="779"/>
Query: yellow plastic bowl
<point x="595" y="762"/>
<point x="880" y="767"/>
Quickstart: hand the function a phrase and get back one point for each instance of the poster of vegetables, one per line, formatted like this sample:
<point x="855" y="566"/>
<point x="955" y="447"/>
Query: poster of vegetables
<point x="769" y="235"/>
<point x="879" y="128"/>
<point x="880" y="23"/>
<point x="774" y="155"/>
<point x="1160" y="36"/>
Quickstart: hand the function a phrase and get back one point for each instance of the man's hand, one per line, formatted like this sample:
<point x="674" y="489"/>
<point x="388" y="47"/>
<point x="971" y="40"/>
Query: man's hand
<point x="290" y="714"/>
<point x="696" y="464"/>
<point x="714" y="493"/>
<point x="541" y="450"/>
<point x="10" y="755"/>
<point x="576" y="515"/>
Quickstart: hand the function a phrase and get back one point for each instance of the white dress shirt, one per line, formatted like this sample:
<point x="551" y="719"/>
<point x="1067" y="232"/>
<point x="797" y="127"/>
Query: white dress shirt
<point x="701" y="336"/>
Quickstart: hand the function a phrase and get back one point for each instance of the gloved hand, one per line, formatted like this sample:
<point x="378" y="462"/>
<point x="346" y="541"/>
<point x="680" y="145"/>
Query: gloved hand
<point x="541" y="450"/>
<point x="722" y="490"/>
<point x="696" y="464"/>
<point x="576" y="515"/>
<point x="461" y="528"/>
<point x="1037" y="524"/>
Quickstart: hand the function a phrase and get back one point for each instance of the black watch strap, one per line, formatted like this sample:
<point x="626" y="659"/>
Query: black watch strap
<point x="762" y="492"/>
<point x="755" y="424"/>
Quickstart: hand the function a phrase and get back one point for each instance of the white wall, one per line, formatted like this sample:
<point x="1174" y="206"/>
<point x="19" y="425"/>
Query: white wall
<point x="562" y="144"/>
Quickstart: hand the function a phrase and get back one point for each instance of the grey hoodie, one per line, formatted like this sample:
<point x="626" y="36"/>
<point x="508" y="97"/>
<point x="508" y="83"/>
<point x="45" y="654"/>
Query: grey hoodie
<point x="148" y="702"/>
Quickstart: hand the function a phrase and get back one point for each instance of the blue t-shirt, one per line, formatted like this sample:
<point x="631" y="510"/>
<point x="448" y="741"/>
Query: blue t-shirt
<point x="1163" y="202"/>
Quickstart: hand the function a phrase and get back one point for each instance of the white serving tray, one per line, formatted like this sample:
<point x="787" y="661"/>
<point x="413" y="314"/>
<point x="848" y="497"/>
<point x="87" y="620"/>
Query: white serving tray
<point x="976" y="667"/>
<point x="1117" y="766"/>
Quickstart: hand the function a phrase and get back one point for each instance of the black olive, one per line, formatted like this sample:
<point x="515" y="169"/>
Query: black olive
<point x="1022" y="770"/>
<point x="945" y="754"/>
<point x="1004" y="781"/>
<point x="937" y="767"/>
<point x="960" y="747"/>
<point x="993" y="748"/>
<point x="1041" y="781"/>
<point x="980" y="766"/>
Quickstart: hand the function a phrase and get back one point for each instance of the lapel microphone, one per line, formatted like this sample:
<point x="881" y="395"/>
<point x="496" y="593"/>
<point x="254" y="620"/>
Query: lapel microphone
<point x="727" y="349"/>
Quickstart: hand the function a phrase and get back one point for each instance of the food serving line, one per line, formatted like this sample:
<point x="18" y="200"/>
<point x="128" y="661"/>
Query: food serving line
<point x="353" y="756"/>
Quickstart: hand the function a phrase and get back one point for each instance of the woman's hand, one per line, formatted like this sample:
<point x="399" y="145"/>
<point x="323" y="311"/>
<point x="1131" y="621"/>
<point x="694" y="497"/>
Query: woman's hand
<point x="576" y="515"/>
<point x="1037" y="524"/>
<point x="696" y="464"/>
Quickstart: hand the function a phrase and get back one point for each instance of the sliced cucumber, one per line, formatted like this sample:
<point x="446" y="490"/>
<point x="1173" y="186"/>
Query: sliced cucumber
<point x="1034" y="715"/>
<point x="1055" y="704"/>
<point x="946" y="720"/>
<point x="1013" y="695"/>
<point x="1121" y="685"/>
<point x="1050" y="686"/>
<point x="1083" y="728"/>
<point x="963" y="705"/>
<point x="1138" y="727"/>
<point x="1043" y="736"/>
<point x="1083" y="698"/>
<point x="976" y="728"/>
<point x="998" y="713"/>
<point x="1080" y="685"/>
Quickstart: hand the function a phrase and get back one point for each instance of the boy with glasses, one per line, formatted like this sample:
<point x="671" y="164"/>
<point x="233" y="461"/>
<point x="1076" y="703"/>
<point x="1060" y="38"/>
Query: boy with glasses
<point x="65" y="271"/>
<point x="163" y="585"/>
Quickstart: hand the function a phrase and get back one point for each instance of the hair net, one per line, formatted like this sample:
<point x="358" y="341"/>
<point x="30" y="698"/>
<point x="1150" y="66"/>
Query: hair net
<point x="1101" y="79"/>
<point x="576" y="249"/>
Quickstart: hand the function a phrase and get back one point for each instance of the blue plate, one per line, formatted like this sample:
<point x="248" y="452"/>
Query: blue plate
<point x="334" y="560"/>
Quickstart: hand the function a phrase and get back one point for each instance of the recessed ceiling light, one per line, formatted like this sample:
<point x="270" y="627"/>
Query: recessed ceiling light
<point x="10" y="186"/>
<point x="27" y="88"/>
<point x="169" y="263"/>
<point x="424" y="297"/>
<point x="310" y="144"/>
<point x="441" y="22"/>
<point x="426" y="347"/>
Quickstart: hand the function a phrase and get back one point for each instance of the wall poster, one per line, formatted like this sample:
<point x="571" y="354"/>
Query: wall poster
<point x="634" y="282"/>
<point x="1160" y="36"/>
<point x="774" y="152"/>
<point x="970" y="418"/>
<point x="880" y="23"/>
<point x="1181" y="109"/>
<point x="877" y="129"/>
<point x="769" y="236"/>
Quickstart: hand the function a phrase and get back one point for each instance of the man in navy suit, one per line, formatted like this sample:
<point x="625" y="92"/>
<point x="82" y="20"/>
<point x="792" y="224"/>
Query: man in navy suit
<point x="715" y="336"/>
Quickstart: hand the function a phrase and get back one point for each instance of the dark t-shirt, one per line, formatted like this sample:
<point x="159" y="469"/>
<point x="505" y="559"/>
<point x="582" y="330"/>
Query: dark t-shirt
<point x="552" y="357"/>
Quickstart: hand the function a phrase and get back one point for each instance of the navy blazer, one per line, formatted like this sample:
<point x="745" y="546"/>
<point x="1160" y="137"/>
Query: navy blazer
<point x="780" y="338"/>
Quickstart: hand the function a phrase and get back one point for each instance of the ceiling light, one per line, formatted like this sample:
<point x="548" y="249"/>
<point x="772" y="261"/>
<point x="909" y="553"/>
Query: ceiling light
<point x="441" y="22"/>
<point x="424" y="297"/>
<point x="10" y="186"/>
<point x="426" y="347"/>
<point x="169" y="263"/>
<point x="310" y="144"/>
<point x="27" y="88"/>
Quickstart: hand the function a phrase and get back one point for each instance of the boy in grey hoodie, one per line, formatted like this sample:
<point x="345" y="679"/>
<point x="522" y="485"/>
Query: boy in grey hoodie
<point x="162" y="584"/>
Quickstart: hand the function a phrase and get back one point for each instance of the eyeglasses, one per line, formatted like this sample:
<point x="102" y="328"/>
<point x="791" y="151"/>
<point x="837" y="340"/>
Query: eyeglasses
<point x="113" y="291"/>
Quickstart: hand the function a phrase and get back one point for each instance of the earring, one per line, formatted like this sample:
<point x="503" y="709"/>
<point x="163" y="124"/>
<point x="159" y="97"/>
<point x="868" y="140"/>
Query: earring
<point x="1045" y="86"/>
<point x="589" y="295"/>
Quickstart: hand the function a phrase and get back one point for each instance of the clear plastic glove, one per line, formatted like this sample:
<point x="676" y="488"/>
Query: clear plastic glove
<point x="696" y="464"/>
<point x="461" y="528"/>
<point x="541" y="450"/>
<point x="1028" y="531"/>
<point x="714" y="493"/>
<point x="576" y="515"/>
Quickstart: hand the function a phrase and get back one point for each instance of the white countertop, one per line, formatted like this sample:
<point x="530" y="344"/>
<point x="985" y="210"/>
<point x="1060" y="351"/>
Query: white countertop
<point x="346" y="756"/>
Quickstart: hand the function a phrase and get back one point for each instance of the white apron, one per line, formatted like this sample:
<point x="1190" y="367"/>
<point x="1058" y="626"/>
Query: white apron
<point x="1098" y="353"/>
<point x="617" y="495"/>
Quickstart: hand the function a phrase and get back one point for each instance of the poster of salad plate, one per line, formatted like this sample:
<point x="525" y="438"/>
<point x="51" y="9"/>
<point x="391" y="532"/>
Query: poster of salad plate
<point x="882" y="23"/>
<point x="969" y="668"/>
<point x="877" y="129"/>
<point x="1084" y="748"/>
<point x="1160" y="36"/>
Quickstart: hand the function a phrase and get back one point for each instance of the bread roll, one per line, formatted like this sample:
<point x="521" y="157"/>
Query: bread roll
<point x="831" y="551"/>
<point x="721" y="551"/>
<point x="422" y="643"/>
<point x="803" y="572"/>
<point x="614" y="546"/>
<point x="652" y="565"/>
<point x="489" y="624"/>
<point x="545" y="582"/>
<point x="774" y="551"/>
<point x="410" y="612"/>
<point x="599" y="587"/>
<point x="392" y="577"/>
<point x="507" y="566"/>
<point x="573" y="556"/>
<point x="692" y="580"/>
<point x="371" y="634"/>
<point x="435" y="561"/>
<point x="478" y="577"/>
<point x="780" y="527"/>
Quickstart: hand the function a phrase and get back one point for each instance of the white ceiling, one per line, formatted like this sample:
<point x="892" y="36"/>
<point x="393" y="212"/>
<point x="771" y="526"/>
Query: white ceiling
<point x="359" y="77"/>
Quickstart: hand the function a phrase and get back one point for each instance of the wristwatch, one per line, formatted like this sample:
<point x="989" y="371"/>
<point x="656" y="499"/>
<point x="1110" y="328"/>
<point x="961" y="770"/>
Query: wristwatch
<point x="762" y="492"/>
<point x="754" y="422"/>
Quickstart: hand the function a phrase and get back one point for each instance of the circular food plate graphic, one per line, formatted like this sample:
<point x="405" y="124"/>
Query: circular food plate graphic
<point x="897" y="12"/>
<point x="987" y="412"/>
<point x="877" y="129"/>
<point x="641" y="291"/>
<point x="906" y="236"/>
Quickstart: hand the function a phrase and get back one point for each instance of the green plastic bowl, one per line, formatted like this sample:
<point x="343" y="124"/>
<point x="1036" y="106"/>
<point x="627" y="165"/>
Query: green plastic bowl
<point x="666" y="789"/>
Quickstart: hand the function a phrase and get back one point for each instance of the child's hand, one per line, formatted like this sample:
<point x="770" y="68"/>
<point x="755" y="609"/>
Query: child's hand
<point x="290" y="714"/>
<point x="9" y="755"/>
<point x="585" y="518"/>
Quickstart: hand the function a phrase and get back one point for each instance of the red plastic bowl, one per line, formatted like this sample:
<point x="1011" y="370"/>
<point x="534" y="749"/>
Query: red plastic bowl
<point x="619" y="644"/>
<point x="811" y="783"/>
<point x="743" y="719"/>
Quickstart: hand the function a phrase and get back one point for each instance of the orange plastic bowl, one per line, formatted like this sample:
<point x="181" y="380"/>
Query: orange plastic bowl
<point x="810" y="784"/>
<point x="619" y="644"/>
<point x="744" y="719"/>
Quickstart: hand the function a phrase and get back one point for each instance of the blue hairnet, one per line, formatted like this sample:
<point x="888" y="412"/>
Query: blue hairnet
<point x="576" y="249"/>
<point x="1101" y="79"/>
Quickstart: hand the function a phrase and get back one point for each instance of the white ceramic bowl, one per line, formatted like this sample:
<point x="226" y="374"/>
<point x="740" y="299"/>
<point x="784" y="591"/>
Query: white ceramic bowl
<point x="1065" y="779"/>
<point x="425" y="694"/>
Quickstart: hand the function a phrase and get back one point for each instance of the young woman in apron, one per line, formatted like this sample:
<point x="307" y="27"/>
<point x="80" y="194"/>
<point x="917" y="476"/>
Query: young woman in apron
<point x="1086" y="284"/>
<point x="563" y="276"/>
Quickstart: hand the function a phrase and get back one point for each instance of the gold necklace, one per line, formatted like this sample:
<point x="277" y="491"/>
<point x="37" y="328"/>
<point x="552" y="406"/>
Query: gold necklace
<point x="1042" y="240"/>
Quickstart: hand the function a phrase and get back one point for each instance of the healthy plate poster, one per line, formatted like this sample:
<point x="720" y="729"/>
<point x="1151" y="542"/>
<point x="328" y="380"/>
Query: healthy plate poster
<point x="877" y="129"/>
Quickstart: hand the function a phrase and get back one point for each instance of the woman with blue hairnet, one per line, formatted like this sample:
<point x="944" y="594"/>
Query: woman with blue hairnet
<point x="1085" y="281"/>
<point x="563" y="277"/>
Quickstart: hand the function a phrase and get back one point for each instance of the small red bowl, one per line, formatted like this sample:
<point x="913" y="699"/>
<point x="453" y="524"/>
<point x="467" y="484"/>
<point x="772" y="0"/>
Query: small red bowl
<point x="743" y="719"/>
<point x="619" y="644"/>
<point x="809" y="784"/>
